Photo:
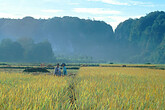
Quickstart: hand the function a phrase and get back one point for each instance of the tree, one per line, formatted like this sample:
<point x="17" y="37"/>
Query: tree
<point x="11" y="51"/>
<point x="41" y="52"/>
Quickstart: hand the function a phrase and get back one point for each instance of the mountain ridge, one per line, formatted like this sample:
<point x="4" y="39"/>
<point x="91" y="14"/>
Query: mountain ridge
<point x="133" y="41"/>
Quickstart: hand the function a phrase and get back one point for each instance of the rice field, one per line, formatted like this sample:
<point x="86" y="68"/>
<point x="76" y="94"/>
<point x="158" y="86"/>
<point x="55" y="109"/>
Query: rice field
<point x="121" y="88"/>
<point x="92" y="88"/>
<point x="22" y="91"/>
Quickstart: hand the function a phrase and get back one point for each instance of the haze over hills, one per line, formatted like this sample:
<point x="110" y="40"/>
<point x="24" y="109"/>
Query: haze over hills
<point x="134" y="40"/>
<point x="144" y="38"/>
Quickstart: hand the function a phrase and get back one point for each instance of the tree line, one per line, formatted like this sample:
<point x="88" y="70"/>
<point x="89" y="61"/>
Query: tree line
<point x="144" y="38"/>
<point x="25" y="50"/>
<point x="133" y="41"/>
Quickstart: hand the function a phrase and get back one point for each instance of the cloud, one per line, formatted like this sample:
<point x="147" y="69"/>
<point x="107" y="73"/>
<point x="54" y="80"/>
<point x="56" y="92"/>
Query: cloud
<point x="51" y="0"/>
<point x="74" y="3"/>
<point x="7" y="15"/>
<point x="51" y="11"/>
<point x="139" y="3"/>
<point x="125" y="3"/>
<point x="113" y="2"/>
<point x="20" y="16"/>
<point x="114" y="20"/>
<point x="95" y="11"/>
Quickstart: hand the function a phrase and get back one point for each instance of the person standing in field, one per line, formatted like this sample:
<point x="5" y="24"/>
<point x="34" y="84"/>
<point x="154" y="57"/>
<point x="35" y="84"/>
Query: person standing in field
<point x="64" y="69"/>
<point x="57" y="70"/>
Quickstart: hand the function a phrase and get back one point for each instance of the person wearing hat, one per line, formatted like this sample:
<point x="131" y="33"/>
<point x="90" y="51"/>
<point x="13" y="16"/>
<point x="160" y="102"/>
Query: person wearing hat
<point x="64" y="69"/>
<point x="57" y="70"/>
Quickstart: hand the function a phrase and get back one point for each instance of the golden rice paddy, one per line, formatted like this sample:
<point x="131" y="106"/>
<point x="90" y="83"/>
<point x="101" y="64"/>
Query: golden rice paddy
<point x="121" y="88"/>
<point x="22" y="91"/>
<point x="92" y="88"/>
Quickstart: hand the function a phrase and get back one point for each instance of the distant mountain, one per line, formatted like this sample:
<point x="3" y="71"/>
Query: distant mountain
<point x="67" y="35"/>
<point x="134" y="40"/>
<point x="143" y="39"/>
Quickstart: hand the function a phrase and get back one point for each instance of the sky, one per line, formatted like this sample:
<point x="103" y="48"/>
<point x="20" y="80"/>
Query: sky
<point x="111" y="11"/>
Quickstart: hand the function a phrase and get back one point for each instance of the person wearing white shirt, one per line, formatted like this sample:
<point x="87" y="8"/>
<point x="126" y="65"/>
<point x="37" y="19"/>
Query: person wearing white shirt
<point x="57" y="70"/>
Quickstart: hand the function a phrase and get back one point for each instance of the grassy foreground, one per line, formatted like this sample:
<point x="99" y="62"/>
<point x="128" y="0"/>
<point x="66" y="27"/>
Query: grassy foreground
<point x="92" y="88"/>
<point x="120" y="88"/>
<point x="22" y="91"/>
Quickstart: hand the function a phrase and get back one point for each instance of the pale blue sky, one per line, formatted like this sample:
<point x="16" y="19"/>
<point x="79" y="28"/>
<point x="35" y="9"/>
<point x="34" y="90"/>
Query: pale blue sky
<point x="111" y="11"/>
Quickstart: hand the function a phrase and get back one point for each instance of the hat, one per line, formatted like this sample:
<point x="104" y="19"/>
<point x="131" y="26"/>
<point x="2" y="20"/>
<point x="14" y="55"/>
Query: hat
<point x="63" y="64"/>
